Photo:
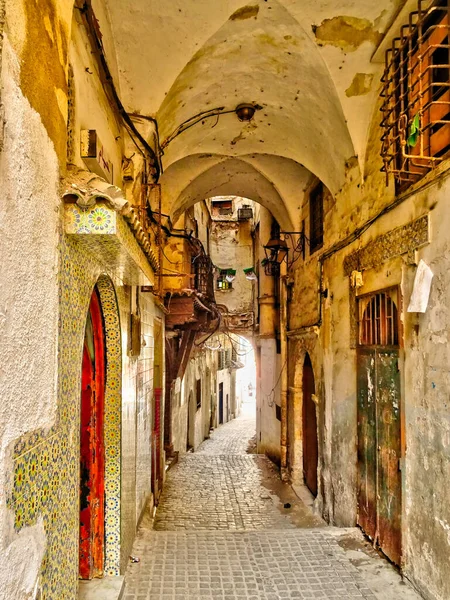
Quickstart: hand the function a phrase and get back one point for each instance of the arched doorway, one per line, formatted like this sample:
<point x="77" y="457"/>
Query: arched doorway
<point x="380" y="445"/>
<point x="310" y="442"/>
<point x="92" y="447"/>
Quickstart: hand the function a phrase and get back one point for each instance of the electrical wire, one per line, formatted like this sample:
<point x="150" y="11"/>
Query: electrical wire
<point x="193" y="121"/>
<point x="270" y="397"/>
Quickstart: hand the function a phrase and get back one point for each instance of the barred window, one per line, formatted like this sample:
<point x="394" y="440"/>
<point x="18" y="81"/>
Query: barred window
<point x="378" y="319"/>
<point x="316" y="218"/>
<point x="416" y="95"/>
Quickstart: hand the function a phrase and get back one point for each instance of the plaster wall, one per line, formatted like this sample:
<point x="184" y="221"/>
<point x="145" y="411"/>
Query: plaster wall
<point x="90" y="107"/>
<point x="268" y="427"/>
<point x="232" y="248"/>
<point x="202" y="366"/>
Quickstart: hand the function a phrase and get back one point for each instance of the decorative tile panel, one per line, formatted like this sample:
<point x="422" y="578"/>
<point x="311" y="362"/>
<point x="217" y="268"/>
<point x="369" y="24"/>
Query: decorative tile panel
<point x="401" y="240"/>
<point x="96" y="219"/>
<point x="45" y="480"/>
<point x="104" y="233"/>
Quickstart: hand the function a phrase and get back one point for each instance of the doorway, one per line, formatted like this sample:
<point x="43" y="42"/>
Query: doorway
<point x="220" y="403"/>
<point x="191" y="421"/>
<point x="379" y="422"/>
<point x="92" y="448"/>
<point x="310" y="441"/>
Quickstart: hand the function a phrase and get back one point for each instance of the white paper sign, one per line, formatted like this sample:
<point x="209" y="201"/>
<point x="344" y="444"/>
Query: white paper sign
<point x="421" y="289"/>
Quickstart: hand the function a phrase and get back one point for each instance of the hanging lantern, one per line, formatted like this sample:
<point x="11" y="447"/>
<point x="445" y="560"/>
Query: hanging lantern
<point x="276" y="250"/>
<point x="250" y="274"/>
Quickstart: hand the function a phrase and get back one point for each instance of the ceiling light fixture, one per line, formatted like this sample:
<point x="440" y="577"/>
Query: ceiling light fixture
<point x="245" y="112"/>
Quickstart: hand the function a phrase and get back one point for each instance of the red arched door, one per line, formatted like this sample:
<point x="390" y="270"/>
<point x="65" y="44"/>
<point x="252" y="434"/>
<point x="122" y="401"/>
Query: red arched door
<point x="92" y="453"/>
<point x="310" y="442"/>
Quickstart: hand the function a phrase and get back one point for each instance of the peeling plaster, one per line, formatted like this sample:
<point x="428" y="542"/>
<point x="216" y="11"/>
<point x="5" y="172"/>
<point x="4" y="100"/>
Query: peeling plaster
<point x="347" y="33"/>
<point x="44" y="59"/>
<point x="360" y="85"/>
<point x="246" y="12"/>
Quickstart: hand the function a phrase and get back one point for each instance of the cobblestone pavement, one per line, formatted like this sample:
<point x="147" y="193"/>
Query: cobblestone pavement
<point x="223" y="529"/>
<point x="219" y="492"/>
<point x="232" y="437"/>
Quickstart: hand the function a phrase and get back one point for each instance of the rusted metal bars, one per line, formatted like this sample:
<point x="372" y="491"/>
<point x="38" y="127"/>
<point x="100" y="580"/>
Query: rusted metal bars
<point x="416" y="93"/>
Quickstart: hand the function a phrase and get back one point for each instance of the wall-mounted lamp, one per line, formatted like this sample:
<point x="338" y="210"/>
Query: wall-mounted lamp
<point x="278" y="249"/>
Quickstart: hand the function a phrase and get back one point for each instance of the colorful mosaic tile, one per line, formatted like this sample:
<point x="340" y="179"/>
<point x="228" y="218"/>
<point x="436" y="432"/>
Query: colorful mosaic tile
<point x="106" y="234"/>
<point x="46" y="462"/>
<point x="96" y="219"/>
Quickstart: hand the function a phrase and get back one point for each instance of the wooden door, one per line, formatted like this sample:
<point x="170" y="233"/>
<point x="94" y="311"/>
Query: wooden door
<point x="92" y="453"/>
<point x="220" y="403"/>
<point x="310" y="441"/>
<point x="156" y="444"/>
<point x="379" y="424"/>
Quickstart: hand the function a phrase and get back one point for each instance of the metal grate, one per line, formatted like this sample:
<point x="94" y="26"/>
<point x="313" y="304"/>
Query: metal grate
<point x="378" y="319"/>
<point x="416" y="95"/>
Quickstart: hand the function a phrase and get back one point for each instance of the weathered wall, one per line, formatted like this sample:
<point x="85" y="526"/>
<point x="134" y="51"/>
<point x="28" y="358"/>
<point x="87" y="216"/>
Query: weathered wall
<point x="48" y="283"/>
<point x="387" y="262"/>
<point x="201" y="366"/>
<point x="232" y="248"/>
<point x="33" y="142"/>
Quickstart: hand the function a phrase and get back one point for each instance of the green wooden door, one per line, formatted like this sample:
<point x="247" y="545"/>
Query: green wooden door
<point x="379" y="448"/>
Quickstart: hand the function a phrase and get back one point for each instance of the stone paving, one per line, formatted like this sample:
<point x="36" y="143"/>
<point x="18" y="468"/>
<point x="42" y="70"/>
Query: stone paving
<point x="232" y="437"/>
<point x="220" y="531"/>
<point x="218" y="492"/>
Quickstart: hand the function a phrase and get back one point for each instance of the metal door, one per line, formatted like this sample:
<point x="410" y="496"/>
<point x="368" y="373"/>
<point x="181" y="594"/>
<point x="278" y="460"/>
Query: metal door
<point x="310" y="441"/>
<point x="379" y="424"/>
<point x="92" y="453"/>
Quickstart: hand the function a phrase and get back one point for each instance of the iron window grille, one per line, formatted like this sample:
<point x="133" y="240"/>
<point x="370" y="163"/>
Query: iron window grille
<point x="204" y="275"/>
<point x="416" y="95"/>
<point x="378" y="319"/>
<point x="316" y="218"/>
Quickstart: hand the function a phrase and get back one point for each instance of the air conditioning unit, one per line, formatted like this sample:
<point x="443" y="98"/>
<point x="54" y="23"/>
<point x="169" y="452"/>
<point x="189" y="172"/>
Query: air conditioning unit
<point x="245" y="213"/>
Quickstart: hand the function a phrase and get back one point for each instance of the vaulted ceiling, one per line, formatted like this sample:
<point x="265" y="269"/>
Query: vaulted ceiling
<point x="306" y="62"/>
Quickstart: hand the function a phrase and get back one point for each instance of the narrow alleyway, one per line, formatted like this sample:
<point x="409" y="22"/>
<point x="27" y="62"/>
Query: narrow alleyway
<point x="226" y="527"/>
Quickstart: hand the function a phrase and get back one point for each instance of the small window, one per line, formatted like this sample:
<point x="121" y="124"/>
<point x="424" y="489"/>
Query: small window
<point x="199" y="393"/>
<point x="316" y="218"/>
<point x="416" y="95"/>
<point x="222" y="281"/>
<point x="222" y="207"/>
<point x="221" y="360"/>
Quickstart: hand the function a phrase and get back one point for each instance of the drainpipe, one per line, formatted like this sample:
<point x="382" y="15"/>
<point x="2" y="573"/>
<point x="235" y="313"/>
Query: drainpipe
<point x="284" y="372"/>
